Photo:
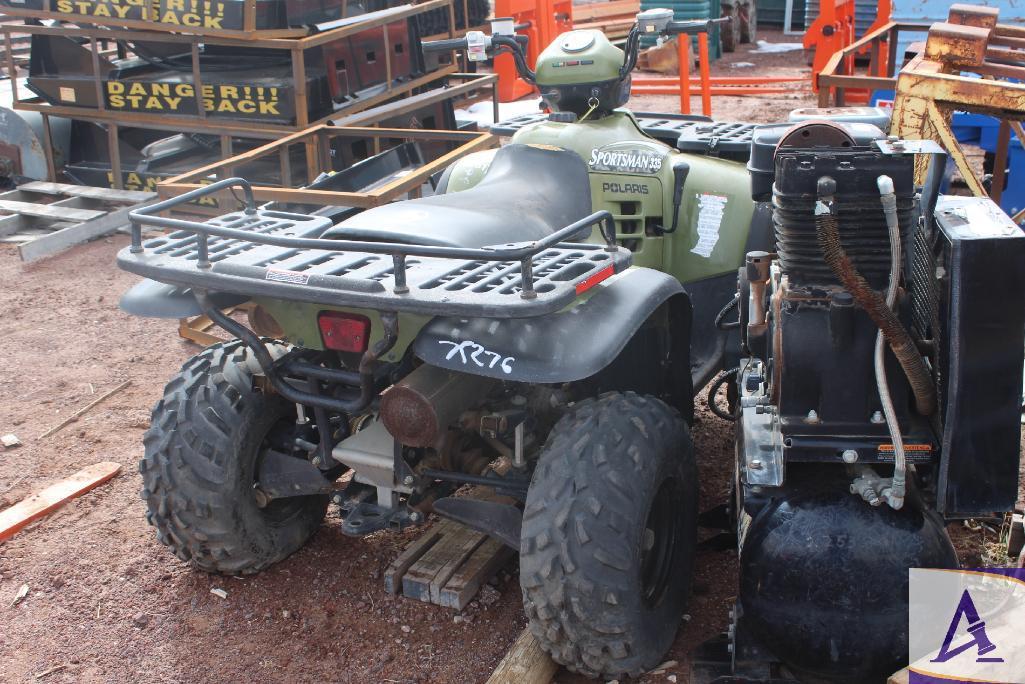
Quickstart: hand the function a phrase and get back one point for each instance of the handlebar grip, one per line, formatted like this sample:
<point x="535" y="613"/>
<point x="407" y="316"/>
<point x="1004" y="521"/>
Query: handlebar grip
<point x="445" y="45"/>
<point x="695" y="26"/>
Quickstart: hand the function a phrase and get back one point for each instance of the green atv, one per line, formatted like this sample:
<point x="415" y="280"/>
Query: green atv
<point x="484" y="335"/>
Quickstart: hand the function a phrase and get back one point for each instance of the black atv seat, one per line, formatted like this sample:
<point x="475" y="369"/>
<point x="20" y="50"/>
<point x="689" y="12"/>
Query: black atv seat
<point x="526" y="194"/>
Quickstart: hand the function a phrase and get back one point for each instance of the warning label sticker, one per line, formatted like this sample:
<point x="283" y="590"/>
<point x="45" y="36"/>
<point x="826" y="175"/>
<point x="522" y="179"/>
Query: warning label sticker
<point x="283" y="276"/>
<point x="913" y="452"/>
<point x="710" y="214"/>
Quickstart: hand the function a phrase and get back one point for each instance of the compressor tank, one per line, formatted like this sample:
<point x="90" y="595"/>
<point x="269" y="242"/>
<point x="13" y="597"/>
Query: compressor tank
<point x="824" y="580"/>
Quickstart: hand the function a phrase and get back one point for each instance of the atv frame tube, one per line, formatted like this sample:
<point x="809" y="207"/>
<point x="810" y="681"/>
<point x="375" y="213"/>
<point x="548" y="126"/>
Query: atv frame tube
<point x="367" y="389"/>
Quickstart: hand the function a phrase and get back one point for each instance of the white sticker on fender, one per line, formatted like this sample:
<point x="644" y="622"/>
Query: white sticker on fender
<point x="710" y="213"/>
<point x="469" y="351"/>
<point x="283" y="276"/>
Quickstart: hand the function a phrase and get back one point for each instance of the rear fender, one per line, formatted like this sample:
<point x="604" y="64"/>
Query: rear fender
<point x="573" y="344"/>
<point x="151" y="299"/>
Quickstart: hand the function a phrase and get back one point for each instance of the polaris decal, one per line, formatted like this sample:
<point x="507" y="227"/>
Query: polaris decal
<point x="469" y="351"/>
<point x="625" y="188"/>
<point x="629" y="157"/>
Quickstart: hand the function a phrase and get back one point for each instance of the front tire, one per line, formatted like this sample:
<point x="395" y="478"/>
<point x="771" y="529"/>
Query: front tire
<point x="202" y="454"/>
<point x="609" y="535"/>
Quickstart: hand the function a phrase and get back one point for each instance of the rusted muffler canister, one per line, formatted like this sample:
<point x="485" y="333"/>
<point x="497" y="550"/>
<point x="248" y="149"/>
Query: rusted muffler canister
<point x="419" y="408"/>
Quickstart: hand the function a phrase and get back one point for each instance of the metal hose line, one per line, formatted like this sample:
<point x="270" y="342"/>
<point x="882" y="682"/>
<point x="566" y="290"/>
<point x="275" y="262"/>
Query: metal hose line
<point x="889" y="201"/>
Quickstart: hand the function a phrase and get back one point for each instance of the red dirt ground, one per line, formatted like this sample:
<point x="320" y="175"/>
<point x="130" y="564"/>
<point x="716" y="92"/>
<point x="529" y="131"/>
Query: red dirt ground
<point x="107" y="603"/>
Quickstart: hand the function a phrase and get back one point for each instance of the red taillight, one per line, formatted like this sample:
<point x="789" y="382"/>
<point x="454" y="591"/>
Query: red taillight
<point x="345" y="332"/>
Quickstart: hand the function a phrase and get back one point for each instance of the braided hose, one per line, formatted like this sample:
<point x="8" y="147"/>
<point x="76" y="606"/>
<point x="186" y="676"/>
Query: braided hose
<point x="827" y="232"/>
<point x="895" y="495"/>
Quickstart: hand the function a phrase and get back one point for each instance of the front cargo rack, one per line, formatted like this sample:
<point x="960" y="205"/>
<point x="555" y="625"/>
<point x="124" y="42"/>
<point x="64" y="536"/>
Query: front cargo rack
<point x="257" y="252"/>
<point x="686" y="132"/>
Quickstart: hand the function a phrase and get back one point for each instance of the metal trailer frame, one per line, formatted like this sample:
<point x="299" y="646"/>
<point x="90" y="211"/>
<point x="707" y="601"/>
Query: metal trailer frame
<point x="248" y="30"/>
<point x="464" y="87"/>
<point x="838" y="75"/>
<point x="932" y="87"/>
<point x="316" y="142"/>
<point x="179" y="122"/>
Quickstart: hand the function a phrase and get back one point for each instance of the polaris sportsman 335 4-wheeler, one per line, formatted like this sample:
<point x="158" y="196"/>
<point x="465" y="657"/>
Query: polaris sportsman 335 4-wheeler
<point x="538" y="325"/>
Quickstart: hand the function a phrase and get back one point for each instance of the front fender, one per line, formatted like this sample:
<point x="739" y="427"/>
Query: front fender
<point x="569" y="345"/>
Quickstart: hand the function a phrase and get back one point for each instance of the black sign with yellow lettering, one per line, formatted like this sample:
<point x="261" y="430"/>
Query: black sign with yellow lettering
<point x="196" y="15"/>
<point x="230" y="101"/>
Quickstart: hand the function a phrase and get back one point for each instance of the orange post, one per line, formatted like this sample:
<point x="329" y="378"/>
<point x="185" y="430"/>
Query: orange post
<point x="831" y="32"/>
<point x="706" y="85"/>
<point x="543" y="21"/>
<point x="683" y="50"/>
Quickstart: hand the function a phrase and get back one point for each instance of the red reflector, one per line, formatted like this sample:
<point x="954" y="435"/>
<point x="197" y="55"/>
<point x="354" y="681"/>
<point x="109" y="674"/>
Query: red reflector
<point x="345" y="332"/>
<point x="590" y="281"/>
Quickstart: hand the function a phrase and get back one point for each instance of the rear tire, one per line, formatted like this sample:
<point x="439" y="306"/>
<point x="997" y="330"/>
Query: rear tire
<point x="202" y="453"/>
<point x="609" y="532"/>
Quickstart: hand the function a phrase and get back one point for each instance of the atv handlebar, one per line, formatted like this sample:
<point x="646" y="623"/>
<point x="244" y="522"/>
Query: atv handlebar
<point x="480" y="46"/>
<point x="675" y="28"/>
<point x="445" y="45"/>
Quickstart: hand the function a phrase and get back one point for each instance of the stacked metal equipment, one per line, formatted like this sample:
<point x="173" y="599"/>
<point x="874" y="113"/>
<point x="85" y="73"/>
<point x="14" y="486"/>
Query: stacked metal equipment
<point x="111" y="80"/>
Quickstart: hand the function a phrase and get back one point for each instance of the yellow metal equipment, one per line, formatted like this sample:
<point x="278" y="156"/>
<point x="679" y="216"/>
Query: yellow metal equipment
<point x="966" y="66"/>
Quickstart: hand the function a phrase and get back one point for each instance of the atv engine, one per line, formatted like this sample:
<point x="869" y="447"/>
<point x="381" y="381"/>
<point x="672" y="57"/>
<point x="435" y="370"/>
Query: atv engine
<point x="856" y="436"/>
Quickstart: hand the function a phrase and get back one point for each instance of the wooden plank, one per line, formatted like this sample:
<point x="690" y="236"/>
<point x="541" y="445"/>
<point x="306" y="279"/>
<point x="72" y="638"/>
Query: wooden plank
<point x="398" y="568"/>
<point x="60" y="240"/>
<point x="595" y="10"/>
<point x="525" y="663"/>
<point x="38" y="505"/>
<point x="417" y="581"/>
<point x="16" y="223"/>
<point x="104" y="194"/>
<point x="46" y="211"/>
<point x="486" y="560"/>
<point x="470" y="541"/>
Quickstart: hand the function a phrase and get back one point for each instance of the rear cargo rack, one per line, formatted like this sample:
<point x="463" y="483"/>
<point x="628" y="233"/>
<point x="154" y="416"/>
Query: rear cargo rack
<point x="263" y="253"/>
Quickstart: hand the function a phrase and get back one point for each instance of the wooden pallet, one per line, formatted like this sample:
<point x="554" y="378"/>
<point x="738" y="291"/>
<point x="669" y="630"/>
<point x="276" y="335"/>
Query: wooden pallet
<point x="447" y="565"/>
<point x="198" y="329"/>
<point x="45" y="218"/>
<point x="614" y="18"/>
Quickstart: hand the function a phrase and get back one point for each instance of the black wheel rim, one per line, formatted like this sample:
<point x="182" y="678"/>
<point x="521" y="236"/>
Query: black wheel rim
<point x="659" y="541"/>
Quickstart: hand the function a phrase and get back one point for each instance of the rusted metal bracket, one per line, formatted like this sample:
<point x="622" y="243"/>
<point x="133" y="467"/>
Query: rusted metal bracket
<point x="966" y="66"/>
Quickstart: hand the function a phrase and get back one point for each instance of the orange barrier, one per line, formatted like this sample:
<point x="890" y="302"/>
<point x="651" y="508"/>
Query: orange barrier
<point x="832" y="33"/>
<point x="709" y="85"/>
<point x="541" y="21"/>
